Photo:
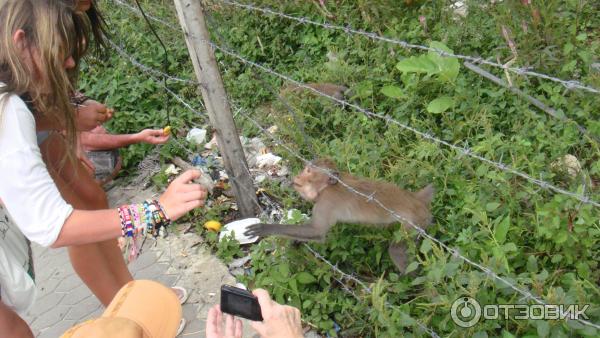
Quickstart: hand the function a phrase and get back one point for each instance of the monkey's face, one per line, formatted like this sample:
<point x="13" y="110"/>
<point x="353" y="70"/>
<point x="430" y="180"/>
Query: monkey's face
<point x="310" y="182"/>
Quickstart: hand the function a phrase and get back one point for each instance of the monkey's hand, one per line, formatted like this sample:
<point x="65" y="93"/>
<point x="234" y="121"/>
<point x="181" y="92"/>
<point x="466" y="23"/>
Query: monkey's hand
<point x="260" y="230"/>
<point x="303" y="232"/>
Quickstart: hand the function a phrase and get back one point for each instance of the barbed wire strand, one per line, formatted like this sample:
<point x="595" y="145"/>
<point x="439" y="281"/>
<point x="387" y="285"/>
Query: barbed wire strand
<point x="569" y="84"/>
<point x="156" y="73"/>
<point x="267" y="85"/>
<point x="428" y="136"/>
<point x="147" y="69"/>
<point x="371" y="199"/>
<point x="153" y="18"/>
<point x="153" y="72"/>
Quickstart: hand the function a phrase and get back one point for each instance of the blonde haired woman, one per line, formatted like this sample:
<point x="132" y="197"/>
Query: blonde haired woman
<point x="38" y="39"/>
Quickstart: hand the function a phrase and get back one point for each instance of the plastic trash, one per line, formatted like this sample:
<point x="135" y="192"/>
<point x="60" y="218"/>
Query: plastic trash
<point x="196" y="135"/>
<point x="267" y="159"/>
<point x="238" y="228"/>
<point x="172" y="170"/>
<point x="199" y="161"/>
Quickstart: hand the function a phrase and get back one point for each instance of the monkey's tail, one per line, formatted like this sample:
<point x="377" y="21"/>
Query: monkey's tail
<point x="426" y="194"/>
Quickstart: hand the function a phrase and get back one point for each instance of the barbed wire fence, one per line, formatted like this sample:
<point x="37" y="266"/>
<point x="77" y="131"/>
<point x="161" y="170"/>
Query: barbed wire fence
<point x="343" y="275"/>
<point x="569" y="84"/>
<point x="527" y="295"/>
<point x="388" y="119"/>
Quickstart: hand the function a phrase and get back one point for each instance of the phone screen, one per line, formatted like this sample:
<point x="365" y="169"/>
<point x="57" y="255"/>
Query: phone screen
<point x="240" y="302"/>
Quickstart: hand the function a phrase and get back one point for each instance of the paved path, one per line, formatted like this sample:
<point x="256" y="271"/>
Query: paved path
<point x="63" y="300"/>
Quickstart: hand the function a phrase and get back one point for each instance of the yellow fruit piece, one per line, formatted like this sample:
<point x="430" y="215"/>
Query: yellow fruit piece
<point x="167" y="130"/>
<point x="213" y="225"/>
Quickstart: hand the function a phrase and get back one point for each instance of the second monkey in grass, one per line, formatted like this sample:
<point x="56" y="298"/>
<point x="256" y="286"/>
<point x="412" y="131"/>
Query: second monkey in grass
<point x="334" y="203"/>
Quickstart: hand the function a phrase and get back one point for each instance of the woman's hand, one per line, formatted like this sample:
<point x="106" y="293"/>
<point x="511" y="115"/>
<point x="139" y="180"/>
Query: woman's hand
<point x="152" y="136"/>
<point x="214" y="329"/>
<point x="91" y="114"/>
<point x="279" y="321"/>
<point x="182" y="195"/>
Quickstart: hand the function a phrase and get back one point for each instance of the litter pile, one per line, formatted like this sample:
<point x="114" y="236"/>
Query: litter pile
<point x="262" y="165"/>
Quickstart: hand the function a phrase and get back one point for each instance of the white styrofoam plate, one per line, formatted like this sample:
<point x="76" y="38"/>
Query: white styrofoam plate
<point x="239" y="227"/>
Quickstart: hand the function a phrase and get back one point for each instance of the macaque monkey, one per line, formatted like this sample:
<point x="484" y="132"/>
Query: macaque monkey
<point x="337" y="91"/>
<point x="334" y="203"/>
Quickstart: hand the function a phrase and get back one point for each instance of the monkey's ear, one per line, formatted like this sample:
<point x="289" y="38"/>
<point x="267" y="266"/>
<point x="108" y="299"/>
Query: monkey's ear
<point x="333" y="180"/>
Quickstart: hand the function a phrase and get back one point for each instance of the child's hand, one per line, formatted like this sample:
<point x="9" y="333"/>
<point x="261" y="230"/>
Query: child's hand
<point x="182" y="195"/>
<point x="91" y="114"/>
<point x="152" y="136"/>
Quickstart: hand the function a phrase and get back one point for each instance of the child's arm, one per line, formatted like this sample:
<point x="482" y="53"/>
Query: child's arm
<point x="101" y="141"/>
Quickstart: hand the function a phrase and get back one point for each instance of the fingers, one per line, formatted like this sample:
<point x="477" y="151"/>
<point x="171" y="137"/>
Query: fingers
<point x="187" y="177"/>
<point x="193" y="205"/>
<point x="238" y="329"/>
<point x="213" y="322"/>
<point x="192" y="196"/>
<point x="266" y="304"/>
<point x="229" y="326"/>
<point x="159" y="139"/>
<point x="254" y="230"/>
<point x="219" y="318"/>
<point x="192" y="187"/>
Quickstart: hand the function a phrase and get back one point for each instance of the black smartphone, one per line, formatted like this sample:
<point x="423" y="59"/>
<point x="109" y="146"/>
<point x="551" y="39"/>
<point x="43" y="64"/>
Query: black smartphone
<point x="240" y="302"/>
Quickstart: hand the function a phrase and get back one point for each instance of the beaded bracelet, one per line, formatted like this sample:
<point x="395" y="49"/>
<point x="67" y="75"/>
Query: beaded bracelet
<point x="143" y="218"/>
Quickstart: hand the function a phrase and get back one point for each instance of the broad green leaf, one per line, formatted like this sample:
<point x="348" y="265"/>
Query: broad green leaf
<point x="440" y="105"/>
<point x="532" y="265"/>
<point x="305" y="278"/>
<point x="406" y="319"/>
<point x="420" y="64"/>
<point x="501" y="230"/>
<point x="543" y="328"/>
<point x="448" y="67"/>
<point x="412" y="267"/>
<point x="509" y="247"/>
<point x="426" y="246"/>
<point x="561" y="237"/>
<point x="492" y="206"/>
<point x="393" y="92"/>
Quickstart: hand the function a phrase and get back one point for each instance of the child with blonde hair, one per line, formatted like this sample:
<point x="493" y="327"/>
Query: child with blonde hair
<point x="40" y="41"/>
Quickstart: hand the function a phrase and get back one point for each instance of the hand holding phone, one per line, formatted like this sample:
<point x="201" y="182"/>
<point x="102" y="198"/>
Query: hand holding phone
<point x="240" y="302"/>
<point x="280" y="321"/>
